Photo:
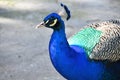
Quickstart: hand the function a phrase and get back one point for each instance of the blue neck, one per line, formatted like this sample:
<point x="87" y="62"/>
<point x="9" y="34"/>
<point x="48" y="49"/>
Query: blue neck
<point x="58" y="41"/>
<point x="59" y="45"/>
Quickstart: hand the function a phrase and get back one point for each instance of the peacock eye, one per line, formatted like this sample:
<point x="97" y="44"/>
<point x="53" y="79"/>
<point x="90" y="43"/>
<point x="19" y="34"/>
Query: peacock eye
<point x="53" y="22"/>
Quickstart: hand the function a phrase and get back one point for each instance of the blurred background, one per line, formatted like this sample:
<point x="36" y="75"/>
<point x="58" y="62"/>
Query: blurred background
<point x="24" y="49"/>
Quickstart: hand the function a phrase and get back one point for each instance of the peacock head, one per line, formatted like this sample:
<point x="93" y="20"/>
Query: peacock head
<point x="54" y="20"/>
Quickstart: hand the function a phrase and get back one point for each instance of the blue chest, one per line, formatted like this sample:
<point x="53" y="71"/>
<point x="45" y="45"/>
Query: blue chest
<point x="75" y="66"/>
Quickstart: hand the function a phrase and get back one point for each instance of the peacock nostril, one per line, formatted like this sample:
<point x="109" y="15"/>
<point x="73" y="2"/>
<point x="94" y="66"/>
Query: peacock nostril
<point x="40" y="25"/>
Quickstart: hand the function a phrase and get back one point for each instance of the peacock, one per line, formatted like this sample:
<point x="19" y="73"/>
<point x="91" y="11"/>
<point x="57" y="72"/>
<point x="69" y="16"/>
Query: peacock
<point x="93" y="53"/>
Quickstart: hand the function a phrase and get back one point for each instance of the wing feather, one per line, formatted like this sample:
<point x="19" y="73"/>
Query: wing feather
<point x="100" y="46"/>
<point x="108" y="47"/>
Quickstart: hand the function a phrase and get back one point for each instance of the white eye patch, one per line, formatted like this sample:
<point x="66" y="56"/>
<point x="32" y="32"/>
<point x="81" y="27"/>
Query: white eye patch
<point x="54" y="22"/>
<point x="46" y="21"/>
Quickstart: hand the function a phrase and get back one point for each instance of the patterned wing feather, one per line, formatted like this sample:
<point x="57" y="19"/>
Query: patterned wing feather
<point x="101" y="41"/>
<point x="108" y="47"/>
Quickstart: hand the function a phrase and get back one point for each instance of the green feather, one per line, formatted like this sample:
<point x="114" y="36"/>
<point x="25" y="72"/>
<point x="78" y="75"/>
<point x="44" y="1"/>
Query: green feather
<point x="86" y="38"/>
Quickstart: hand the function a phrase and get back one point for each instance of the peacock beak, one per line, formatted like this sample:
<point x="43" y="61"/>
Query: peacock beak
<point x="40" y="25"/>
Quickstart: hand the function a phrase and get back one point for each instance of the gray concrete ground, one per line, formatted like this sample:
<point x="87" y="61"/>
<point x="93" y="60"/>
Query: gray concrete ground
<point x="24" y="49"/>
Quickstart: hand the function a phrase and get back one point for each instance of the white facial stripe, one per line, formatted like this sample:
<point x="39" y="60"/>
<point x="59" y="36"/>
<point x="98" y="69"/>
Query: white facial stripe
<point x="55" y="21"/>
<point x="46" y="21"/>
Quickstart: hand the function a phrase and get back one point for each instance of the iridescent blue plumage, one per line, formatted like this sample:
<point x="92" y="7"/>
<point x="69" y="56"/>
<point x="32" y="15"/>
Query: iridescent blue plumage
<point x="72" y="61"/>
